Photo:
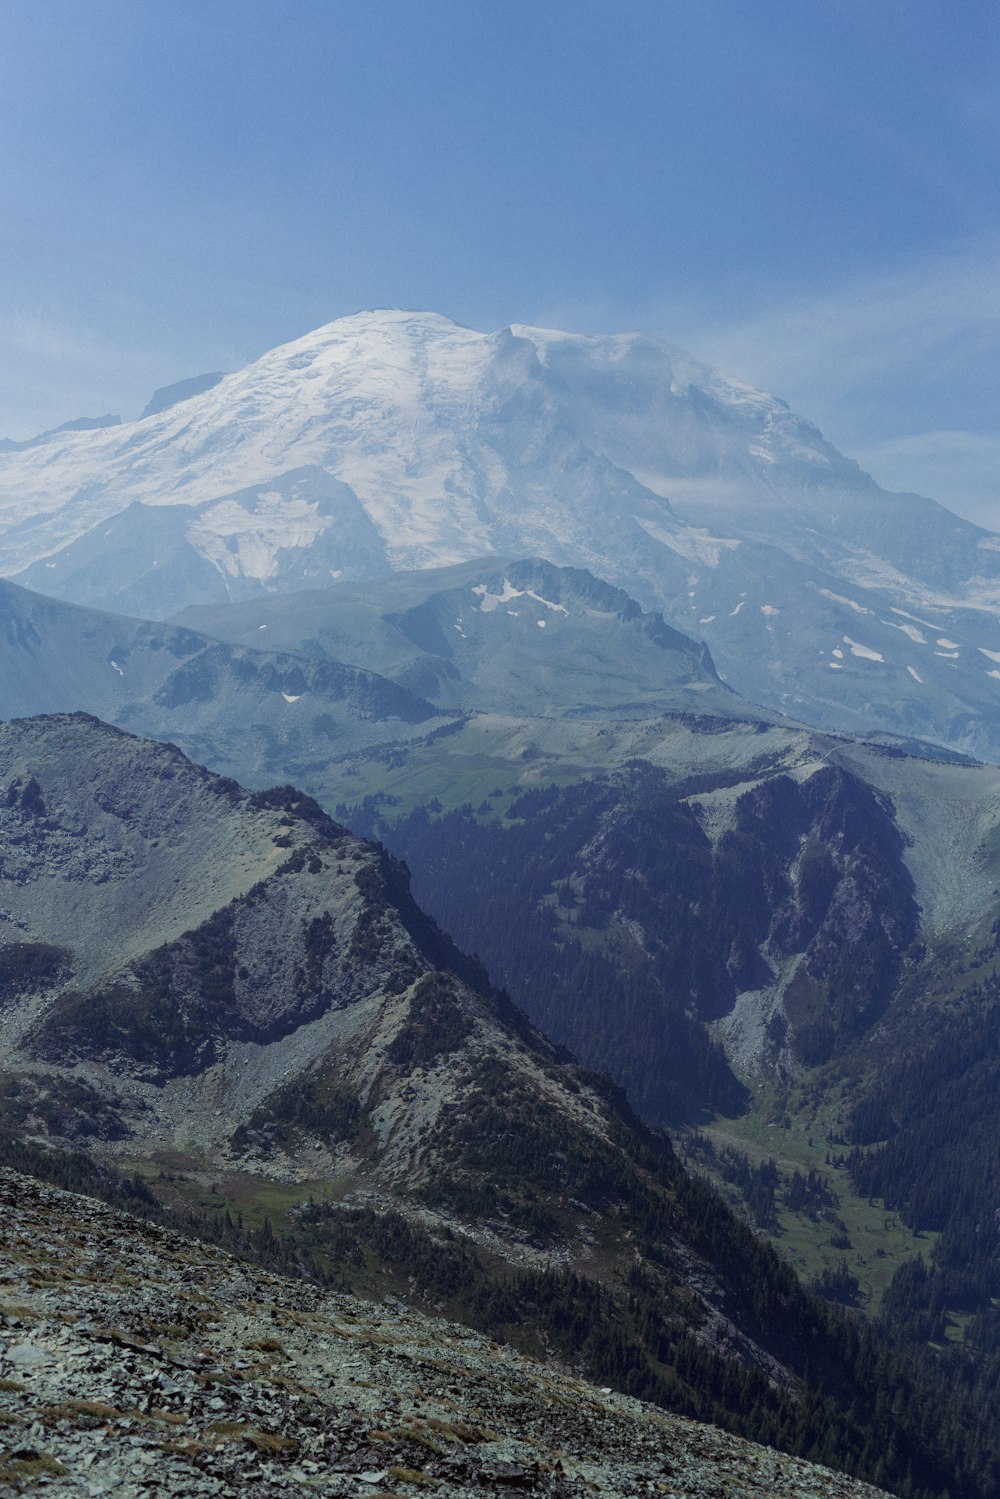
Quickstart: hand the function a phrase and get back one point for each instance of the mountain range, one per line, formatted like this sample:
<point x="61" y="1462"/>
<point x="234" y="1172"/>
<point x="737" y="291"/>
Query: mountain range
<point x="229" y="705"/>
<point x="520" y="637"/>
<point x="395" y="440"/>
<point x="697" y="896"/>
<point x="286" y="697"/>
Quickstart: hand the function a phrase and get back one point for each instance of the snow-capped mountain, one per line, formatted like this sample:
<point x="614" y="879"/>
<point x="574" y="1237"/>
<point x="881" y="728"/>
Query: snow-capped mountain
<point x="397" y="440"/>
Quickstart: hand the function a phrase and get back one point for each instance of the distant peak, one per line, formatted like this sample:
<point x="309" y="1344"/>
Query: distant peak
<point x="79" y="424"/>
<point x="181" y="390"/>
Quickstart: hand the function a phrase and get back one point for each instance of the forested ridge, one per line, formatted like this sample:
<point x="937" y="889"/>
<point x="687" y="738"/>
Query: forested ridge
<point x="621" y="928"/>
<point x="925" y="1143"/>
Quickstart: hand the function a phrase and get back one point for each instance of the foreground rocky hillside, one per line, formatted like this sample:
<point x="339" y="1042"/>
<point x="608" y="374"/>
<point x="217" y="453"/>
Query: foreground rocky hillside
<point x="135" y="1360"/>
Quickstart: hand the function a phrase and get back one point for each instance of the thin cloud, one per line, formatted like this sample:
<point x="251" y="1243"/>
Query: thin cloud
<point x="943" y="308"/>
<point x="961" y="469"/>
<point x="65" y="349"/>
<point x="899" y="371"/>
<point x="52" y="371"/>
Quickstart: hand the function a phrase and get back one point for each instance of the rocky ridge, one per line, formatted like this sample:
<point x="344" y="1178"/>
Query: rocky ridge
<point x="136" y="1361"/>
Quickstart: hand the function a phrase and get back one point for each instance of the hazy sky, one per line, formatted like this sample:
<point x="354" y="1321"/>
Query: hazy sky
<point x="801" y="191"/>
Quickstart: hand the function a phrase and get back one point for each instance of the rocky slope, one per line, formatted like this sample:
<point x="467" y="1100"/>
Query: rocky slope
<point x="400" y="440"/>
<point x="630" y="911"/>
<point x="235" y="977"/>
<point x="135" y="1360"/>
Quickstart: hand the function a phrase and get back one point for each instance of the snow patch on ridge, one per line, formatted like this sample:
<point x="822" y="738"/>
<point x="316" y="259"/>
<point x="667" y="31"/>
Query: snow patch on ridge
<point x="490" y="601"/>
<point x="916" y="619"/>
<point x="911" y="632"/>
<point x="838" y="598"/>
<point x="863" y="651"/>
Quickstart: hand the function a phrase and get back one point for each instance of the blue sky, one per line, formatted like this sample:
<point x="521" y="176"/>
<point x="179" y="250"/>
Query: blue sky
<point x="801" y="191"/>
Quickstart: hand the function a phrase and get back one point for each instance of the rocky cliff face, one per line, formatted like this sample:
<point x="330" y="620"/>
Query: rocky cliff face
<point x="771" y="902"/>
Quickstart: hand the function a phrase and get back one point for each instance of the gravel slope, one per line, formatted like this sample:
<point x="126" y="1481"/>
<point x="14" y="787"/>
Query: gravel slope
<point x="134" y="1361"/>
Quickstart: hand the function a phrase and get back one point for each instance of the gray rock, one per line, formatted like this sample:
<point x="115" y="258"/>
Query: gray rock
<point x="28" y="1356"/>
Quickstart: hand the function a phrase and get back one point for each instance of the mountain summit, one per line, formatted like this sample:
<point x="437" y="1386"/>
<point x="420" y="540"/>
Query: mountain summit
<point x="438" y="431"/>
<point x="391" y="440"/>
